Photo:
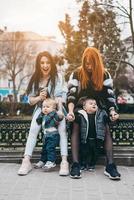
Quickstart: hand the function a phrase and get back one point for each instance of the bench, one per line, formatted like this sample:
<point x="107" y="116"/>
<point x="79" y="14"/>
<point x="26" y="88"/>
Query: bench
<point x="14" y="133"/>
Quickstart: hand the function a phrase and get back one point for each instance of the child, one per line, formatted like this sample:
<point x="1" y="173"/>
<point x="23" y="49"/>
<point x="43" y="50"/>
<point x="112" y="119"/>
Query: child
<point x="92" y="123"/>
<point x="49" y="119"/>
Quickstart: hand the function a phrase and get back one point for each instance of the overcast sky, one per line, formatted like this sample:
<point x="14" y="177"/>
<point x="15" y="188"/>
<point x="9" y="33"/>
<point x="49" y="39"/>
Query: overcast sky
<point x="40" y="16"/>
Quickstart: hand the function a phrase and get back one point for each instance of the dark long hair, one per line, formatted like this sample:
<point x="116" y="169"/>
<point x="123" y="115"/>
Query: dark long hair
<point x="36" y="77"/>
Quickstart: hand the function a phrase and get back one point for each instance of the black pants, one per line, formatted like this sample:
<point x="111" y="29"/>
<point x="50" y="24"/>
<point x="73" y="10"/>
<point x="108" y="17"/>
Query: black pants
<point x="89" y="152"/>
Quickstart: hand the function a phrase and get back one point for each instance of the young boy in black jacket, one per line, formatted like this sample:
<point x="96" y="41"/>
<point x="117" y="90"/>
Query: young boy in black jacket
<point x="92" y="121"/>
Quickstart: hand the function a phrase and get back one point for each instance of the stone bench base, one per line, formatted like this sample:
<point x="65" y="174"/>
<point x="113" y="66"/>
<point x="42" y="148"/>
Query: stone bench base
<point x="122" y="156"/>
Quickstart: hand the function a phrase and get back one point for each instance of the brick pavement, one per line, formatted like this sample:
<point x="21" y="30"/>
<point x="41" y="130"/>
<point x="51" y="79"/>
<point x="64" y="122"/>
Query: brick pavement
<point x="40" y="185"/>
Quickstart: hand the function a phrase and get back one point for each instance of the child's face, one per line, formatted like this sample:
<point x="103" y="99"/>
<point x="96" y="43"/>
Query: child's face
<point x="47" y="107"/>
<point x="90" y="106"/>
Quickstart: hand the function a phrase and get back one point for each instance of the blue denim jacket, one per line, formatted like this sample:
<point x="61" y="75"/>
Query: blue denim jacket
<point x="60" y="90"/>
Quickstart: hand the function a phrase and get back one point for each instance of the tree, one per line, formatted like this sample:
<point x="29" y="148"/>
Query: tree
<point x="124" y="58"/>
<point x="67" y="31"/>
<point x="116" y="6"/>
<point x="83" y="24"/>
<point x="109" y="41"/>
<point x="125" y="13"/>
<point x="130" y="17"/>
<point x="75" y="40"/>
<point x="14" y="58"/>
<point x="96" y="27"/>
<point x="72" y="50"/>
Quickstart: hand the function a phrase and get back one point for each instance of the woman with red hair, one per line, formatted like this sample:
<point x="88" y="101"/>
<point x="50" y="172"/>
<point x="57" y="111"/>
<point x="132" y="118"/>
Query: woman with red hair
<point x="91" y="80"/>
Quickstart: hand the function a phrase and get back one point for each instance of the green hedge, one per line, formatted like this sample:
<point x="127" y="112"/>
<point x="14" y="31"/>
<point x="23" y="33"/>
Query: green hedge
<point x="7" y="108"/>
<point x="126" y="108"/>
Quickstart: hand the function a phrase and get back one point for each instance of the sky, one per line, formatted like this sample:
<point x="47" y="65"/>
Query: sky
<point x="40" y="16"/>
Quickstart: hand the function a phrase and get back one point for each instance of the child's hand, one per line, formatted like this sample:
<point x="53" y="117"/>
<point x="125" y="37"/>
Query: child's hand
<point x="70" y="116"/>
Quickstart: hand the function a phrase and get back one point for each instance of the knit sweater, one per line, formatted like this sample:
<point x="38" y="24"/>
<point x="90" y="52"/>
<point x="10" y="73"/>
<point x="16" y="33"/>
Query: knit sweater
<point x="104" y="98"/>
<point x="50" y="120"/>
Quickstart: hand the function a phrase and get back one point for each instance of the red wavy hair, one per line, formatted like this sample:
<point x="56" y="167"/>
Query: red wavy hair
<point x="98" y="70"/>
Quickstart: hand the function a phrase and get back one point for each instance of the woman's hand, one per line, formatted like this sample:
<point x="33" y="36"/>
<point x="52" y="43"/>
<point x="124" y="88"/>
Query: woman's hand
<point x="59" y="103"/>
<point x="60" y="114"/>
<point x="70" y="116"/>
<point x="114" y="115"/>
<point x="43" y="94"/>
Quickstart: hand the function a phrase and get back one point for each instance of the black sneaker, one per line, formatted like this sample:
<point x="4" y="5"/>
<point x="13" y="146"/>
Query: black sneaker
<point x="75" y="171"/>
<point x="111" y="172"/>
<point x="91" y="168"/>
<point x="83" y="167"/>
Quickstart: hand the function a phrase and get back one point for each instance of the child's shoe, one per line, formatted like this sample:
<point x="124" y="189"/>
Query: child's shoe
<point x="48" y="166"/>
<point x="83" y="167"/>
<point x="91" y="168"/>
<point x="39" y="164"/>
<point x="64" y="168"/>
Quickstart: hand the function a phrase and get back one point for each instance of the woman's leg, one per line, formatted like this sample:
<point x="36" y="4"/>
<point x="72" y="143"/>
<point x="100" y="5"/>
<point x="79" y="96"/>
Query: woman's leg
<point x="33" y="133"/>
<point x="63" y="139"/>
<point x="75" y="171"/>
<point x="108" y="146"/>
<point x="31" y="142"/>
<point x="111" y="169"/>
<point x="75" y="142"/>
<point x="64" y="166"/>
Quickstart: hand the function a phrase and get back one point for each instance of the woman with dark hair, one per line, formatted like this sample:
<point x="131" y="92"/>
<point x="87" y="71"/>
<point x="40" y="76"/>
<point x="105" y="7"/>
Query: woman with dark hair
<point x="93" y="81"/>
<point x="45" y="82"/>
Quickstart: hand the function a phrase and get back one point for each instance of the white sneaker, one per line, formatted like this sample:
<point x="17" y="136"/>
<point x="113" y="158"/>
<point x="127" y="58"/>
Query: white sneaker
<point x="64" y="168"/>
<point x="49" y="166"/>
<point x="39" y="164"/>
<point x="25" y="167"/>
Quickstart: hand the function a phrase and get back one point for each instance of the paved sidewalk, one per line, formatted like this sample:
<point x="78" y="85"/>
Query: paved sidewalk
<point x="40" y="185"/>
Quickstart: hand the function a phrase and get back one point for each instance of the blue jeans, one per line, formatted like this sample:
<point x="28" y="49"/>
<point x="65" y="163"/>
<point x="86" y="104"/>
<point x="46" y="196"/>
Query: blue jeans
<point x="50" y="141"/>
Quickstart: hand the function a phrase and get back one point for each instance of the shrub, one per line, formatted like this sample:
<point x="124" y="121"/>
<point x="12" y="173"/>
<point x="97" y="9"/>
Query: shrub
<point x="7" y="108"/>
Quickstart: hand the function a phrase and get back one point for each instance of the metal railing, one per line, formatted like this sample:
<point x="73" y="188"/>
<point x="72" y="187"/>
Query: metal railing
<point x="14" y="133"/>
